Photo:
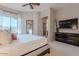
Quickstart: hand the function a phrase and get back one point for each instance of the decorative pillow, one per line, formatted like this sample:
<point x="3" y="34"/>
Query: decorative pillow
<point x="5" y="38"/>
<point x="13" y="37"/>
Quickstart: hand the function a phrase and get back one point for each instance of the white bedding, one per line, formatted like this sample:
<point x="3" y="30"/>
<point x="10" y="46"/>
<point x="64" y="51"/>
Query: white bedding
<point x="24" y="44"/>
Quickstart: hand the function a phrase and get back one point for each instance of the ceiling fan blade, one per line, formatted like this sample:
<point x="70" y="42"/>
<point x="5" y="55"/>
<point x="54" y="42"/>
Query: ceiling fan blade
<point x="35" y="3"/>
<point x="25" y="4"/>
<point x="31" y="6"/>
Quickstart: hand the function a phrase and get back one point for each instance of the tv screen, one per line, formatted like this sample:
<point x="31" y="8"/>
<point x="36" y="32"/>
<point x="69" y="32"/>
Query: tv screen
<point x="70" y="23"/>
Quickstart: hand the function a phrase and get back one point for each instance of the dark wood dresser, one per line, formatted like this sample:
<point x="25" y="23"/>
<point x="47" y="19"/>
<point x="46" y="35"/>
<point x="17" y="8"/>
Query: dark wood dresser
<point x="70" y="38"/>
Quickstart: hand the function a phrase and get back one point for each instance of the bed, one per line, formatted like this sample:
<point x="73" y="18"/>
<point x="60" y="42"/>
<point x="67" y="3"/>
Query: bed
<point x="25" y="45"/>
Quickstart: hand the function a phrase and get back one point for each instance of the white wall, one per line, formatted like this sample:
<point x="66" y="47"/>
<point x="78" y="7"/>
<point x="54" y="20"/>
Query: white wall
<point x="68" y="12"/>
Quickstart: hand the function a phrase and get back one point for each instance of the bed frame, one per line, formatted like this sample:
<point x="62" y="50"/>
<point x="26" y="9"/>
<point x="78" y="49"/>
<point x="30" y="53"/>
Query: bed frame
<point x="41" y="54"/>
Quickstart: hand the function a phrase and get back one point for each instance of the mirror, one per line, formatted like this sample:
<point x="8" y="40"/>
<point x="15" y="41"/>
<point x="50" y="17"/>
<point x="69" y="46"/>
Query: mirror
<point x="29" y="26"/>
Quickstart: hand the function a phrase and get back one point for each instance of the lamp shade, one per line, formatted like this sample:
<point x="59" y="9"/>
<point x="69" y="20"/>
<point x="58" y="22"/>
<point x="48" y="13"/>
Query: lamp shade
<point x="5" y="38"/>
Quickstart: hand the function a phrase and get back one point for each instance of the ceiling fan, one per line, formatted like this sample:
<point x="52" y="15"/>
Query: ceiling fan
<point x="31" y="5"/>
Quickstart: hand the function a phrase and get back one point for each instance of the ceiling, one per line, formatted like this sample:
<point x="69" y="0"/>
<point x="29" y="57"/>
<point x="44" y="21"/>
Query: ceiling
<point x="18" y="6"/>
<point x="43" y="6"/>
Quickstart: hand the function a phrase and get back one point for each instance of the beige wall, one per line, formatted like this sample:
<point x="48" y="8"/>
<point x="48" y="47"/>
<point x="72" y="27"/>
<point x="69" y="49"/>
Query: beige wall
<point x="68" y="12"/>
<point x="51" y="25"/>
<point x="45" y="13"/>
<point x="37" y="19"/>
<point x="37" y="24"/>
<point x="27" y="16"/>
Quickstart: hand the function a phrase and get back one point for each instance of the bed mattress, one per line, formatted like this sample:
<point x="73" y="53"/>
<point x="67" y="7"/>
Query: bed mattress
<point x="22" y="46"/>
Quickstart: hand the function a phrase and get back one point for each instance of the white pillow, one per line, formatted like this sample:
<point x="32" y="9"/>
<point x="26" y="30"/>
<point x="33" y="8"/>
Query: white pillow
<point x="5" y="38"/>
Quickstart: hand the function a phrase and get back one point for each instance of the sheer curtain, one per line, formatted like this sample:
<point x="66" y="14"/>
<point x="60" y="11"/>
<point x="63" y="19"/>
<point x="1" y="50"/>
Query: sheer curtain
<point x="10" y="22"/>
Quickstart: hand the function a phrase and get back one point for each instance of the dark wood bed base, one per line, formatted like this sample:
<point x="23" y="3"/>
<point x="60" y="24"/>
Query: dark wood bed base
<point x="41" y="54"/>
<point x="44" y="52"/>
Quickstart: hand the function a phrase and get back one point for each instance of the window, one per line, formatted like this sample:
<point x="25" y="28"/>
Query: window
<point x="19" y="24"/>
<point x="0" y="23"/>
<point x="10" y="23"/>
<point x="14" y="25"/>
<point x="6" y="23"/>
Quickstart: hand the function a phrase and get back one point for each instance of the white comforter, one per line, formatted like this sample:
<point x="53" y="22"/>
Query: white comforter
<point x="24" y="44"/>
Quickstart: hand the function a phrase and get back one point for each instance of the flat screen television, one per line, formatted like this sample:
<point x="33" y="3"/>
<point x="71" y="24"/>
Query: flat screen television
<point x="69" y="23"/>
